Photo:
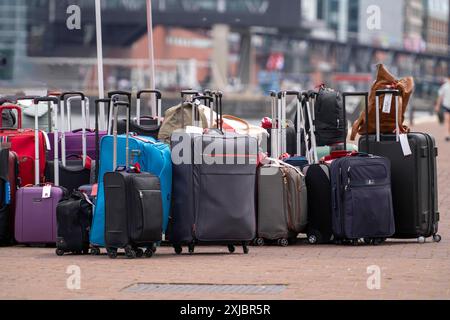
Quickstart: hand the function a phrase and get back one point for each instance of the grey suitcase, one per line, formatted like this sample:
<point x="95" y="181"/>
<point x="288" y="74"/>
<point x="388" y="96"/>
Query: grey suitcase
<point x="414" y="180"/>
<point x="213" y="203"/>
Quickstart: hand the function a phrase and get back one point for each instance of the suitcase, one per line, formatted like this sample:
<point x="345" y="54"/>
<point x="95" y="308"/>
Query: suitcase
<point x="5" y="196"/>
<point x="362" y="199"/>
<point x="35" y="218"/>
<point x="73" y="219"/>
<point x="152" y="156"/>
<point x="74" y="169"/>
<point x="147" y="126"/>
<point x="133" y="207"/>
<point x="414" y="180"/>
<point x="282" y="203"/>
<point x="213" y="197"/>
<point x="22" y="143"/>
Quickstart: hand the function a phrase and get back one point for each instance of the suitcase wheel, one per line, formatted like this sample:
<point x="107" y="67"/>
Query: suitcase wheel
<point x="437" y="238"/>
<point x="421" y="239"/>
<point x="112" y="253"/>
<point x="259" y="242"/>
<point x="130" y="253"/>
<point x="231" y="248"/>
<point x="60" y="252"/>
<point x="312" y="239"/>
<point x="95" y="251"/>
<point x="191" y="248"/>
<point x="178" y="249"/>
<point x="245" y="249"/>
<point x="283" y="242"/>
<point x="85" y="251"/>
<point x="149" y="253"/>
<point x="139" y="253"/>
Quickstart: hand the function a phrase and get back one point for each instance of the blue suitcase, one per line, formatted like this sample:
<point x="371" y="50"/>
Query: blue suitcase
<point x="153" y="157"/>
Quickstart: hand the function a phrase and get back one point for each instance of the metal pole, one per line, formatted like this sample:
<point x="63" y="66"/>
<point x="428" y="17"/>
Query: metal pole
<point x="151" y="54"/>
<point x="101" y="86"/>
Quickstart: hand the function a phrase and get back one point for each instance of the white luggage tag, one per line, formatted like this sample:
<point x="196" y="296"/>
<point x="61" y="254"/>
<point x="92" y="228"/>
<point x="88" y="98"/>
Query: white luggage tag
<point x="387" y="103"/>
<point x="46" y="192"/>
<point x="47" y="141"/>
<point x="406" y="148"/>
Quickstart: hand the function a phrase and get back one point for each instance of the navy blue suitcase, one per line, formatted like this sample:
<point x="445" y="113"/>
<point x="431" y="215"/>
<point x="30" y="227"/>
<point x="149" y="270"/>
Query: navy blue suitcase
<point x="362" y="199"/>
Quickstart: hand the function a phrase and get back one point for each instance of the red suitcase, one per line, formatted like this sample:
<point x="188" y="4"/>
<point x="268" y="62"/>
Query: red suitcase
<point x="22" y="143"/>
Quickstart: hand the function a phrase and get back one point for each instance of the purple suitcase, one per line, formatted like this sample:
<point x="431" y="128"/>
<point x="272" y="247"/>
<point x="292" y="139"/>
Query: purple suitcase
<point x="35" y="218"/>
<point x="74" y="146"/>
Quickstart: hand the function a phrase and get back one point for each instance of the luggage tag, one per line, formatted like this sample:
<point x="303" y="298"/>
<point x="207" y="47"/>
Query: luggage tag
<point x="7" y="193"/>
<point x="387" y="103"/>
<point x="46" y="192"/>
<point x="94" y="190"/>
<point x="406" y="148"/>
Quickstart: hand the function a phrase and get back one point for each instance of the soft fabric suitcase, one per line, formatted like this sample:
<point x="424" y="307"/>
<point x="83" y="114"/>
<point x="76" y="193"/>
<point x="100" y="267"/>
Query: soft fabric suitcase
<point x="282" y="203"/>
<point x="213" y="191"/>
<point x="22" y="143"/>
<point x="35" y="218"/>
<point x="5" y="197"/>
<point x="362" y="199"/>
<point x="73" y="218"/>
<point x="147" y="126"/>
<point x="153" y="157"/>
<point x="414" y="179"/>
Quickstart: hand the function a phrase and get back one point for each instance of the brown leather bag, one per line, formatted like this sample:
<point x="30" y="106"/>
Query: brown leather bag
<point x="385" y="80"/>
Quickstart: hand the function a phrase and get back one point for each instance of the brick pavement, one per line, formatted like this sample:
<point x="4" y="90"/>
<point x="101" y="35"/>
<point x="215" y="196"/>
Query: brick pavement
<point x="409" y="270"/>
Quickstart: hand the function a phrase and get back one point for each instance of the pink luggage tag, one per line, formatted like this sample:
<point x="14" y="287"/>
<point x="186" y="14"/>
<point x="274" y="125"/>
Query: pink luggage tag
<point x="94" y="190"/>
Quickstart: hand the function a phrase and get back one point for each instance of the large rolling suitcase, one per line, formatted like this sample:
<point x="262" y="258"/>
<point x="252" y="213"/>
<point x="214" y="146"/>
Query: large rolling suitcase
<point x="214" y="188"/>
<point x="414" y="177"/>
<point x="133" y="206"/>
<point x="22" y="143"/>
<point x="74" y="169"/>
<point x="73" y="219"/>
<point x="146" y="126"/>
<point x="362" y="199"/>
<point x="5" y="198"/>
<point x="152" y="156"/>
<point x="35" y="218"/>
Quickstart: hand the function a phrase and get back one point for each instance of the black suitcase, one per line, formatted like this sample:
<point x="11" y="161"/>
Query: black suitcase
<point x="414" y="180"/>
<point x="5" y="227"/>
<point x="213" y="203"/>
<point x="133" y="207"/>
<point x="73" y="219"/>
<point x="146" y="126"/>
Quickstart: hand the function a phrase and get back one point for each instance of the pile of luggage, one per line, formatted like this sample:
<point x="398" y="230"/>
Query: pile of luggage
<point x="199" y="177"/>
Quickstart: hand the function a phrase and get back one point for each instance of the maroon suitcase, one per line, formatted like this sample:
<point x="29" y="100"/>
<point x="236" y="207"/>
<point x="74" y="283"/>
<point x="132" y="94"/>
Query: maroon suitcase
<point x="35" y="218"/>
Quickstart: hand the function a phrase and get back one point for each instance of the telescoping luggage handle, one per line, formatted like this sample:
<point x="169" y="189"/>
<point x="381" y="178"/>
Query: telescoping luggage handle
<point x="195" y="114"/>
<point x="116" y="105"/>
<point x="378" y="94"/>
<point x="54" y="101"/>
<point x="114" y="96"/>
<point x="97" y="134"/>
<point x="306" y="97"/>
<point x="11" y="107"/>
<point x="69" y="112"/>
<point x="64" y="129"/>
<point x="158" y="114"/>
<point x="366" y="108"/>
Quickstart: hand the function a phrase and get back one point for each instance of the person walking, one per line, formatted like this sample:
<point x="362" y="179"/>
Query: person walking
<point x="444" y="102"/>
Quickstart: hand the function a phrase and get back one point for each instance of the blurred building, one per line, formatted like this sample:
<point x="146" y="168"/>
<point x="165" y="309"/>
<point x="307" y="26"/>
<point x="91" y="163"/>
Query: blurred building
<point x="436" y="26"/>
<point x="414" y="13"/>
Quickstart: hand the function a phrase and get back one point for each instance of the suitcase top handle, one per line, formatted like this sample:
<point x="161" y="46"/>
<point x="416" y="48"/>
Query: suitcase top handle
<point x="158" y="112"/>
<point x="64" y="95"/>
<point x="127" y="94"/>
<point x="395" y="93"/>
<point x="116" y="105"/>
<point x="54" y="101"/>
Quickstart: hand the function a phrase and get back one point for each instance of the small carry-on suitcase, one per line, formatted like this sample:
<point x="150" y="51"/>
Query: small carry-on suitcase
<point x="145" y="126"/>
<point x="73" y="219"/>
<point x="362" y="199"/>
<point x="152" y="156"/>
<point x="133" y="207"/>
<point x="282" y="203"/>
<point x="414" y="177"/>
<point x="74" y="169"/>
<point x="213" y="193"/>
<point x="35" y="219"/>
<point x="22" y="143"/>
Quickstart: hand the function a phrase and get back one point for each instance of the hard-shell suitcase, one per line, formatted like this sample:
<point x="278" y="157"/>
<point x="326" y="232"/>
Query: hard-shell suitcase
<point x="133" y="206"/>
<point x="22" y="143"/>
<point x="74" y="218"/>
<point x="74" y="169"/>
<point x="35" y="218"/>
<point x="214" y="193"/>
<point x="282" y="203"/>
<point x="414" y="179"/>
<point x="152" y="156"/>
<point x="362" y="199"/>
<point x="147" y="126"/>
